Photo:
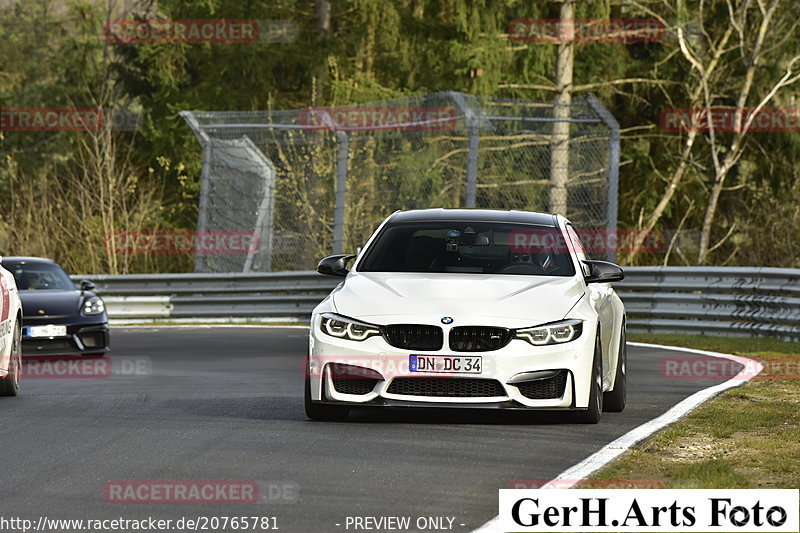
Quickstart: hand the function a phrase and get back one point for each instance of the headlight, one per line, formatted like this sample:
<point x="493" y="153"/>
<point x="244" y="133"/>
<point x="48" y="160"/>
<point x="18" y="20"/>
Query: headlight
<point x="347" y="328"/>
<point x="555" y="333"/>
<point x="93" y="306"/>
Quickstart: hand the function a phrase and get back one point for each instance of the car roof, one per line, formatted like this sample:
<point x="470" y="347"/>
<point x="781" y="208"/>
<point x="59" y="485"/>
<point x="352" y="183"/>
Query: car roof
<point x="20" y="259"/>
<point x="474" y="215"/>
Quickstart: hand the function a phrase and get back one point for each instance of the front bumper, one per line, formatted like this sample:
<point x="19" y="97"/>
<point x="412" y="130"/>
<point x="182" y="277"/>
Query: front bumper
<point x="517" y="376"/>
<point x="81" y="339"/>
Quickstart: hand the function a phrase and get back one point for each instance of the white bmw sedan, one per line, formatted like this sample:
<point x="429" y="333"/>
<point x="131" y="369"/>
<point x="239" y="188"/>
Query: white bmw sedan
<point x="469" y="308"/>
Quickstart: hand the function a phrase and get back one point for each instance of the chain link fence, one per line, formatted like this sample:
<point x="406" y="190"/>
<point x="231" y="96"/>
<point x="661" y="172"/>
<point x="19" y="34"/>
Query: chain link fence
<point x="317" y="181"/>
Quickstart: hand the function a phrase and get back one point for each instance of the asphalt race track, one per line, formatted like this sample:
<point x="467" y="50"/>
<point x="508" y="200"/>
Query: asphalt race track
<point x="226" y="404"/>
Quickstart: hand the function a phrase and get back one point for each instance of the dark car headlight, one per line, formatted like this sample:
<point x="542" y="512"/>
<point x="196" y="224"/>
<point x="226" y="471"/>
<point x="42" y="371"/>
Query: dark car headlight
<point x="553" y="333"/>
<point x="93" y="306"/>
<point x="347" y="328"/>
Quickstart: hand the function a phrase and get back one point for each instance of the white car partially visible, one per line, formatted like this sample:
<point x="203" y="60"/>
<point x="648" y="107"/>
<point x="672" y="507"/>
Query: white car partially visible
<point x="10" y="334"/>
<point x="469" y="308"/>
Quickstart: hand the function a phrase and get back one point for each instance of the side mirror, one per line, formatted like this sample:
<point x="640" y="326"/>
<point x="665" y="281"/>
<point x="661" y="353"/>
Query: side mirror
<point x="334" y="265"/>
<point x="603" y="272"/>
<point x="87" y="285"/>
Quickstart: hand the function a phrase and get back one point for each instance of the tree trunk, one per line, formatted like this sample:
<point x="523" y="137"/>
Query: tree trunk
<point x="323" y="15"/>
<point x="711" y="209"/>
<point x="559" y="149"/>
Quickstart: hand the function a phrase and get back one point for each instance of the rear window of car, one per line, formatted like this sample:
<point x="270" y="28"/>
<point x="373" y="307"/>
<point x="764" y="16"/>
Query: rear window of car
<point x="470" y="248"/>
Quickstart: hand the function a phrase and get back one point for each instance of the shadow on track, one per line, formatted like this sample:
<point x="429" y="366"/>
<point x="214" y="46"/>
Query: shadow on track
<point x="291" y="408"/>
<point x="460" y="416"/>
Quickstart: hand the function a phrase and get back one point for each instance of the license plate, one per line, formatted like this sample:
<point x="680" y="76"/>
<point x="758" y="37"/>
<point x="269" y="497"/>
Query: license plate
<point x="46" y="331"/>
<point x="462" y="364"/>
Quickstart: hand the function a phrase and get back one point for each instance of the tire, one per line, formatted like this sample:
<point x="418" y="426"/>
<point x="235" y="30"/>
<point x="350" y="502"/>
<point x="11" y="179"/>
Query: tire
<point x="595" y="410"/>
<point x="614" y="401"/>
<point x="321" y="411"/>
<point x="9" y="385"/>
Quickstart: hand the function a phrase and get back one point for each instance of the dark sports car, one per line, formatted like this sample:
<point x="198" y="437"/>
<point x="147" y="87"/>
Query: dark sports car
<point x="58" y="318"/>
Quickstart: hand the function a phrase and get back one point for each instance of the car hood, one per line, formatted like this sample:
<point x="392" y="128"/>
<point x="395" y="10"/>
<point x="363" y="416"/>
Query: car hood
<point x="54" y="303"/>
<point x="508" y="300"/>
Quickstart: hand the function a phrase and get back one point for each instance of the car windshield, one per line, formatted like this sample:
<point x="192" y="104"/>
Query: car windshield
<point x="471" y="248"/>
<point x="31" y="276"/>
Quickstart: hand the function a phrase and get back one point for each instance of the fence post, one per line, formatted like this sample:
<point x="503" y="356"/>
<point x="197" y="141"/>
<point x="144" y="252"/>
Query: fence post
<point x="202" y="214"/>
<point x="613" y="186"/>
<point x="472" y="162"/>
<point x="474" y="139"/>
<point x="260" y="255"/>
<point x="613" y="168"/>
<point x="343" y="148"/>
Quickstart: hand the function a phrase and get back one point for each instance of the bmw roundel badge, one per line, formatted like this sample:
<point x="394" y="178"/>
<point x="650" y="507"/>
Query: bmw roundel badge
<point x="447" y="320"/>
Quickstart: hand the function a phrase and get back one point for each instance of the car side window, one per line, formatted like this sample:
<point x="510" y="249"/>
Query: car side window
<point x="577" y="245"/>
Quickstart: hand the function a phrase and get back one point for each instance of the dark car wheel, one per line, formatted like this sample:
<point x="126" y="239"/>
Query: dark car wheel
<point x="615" y="400"/>
<point x="9" y="385"/>
<point x="321" y="411"/>
<point x="592" y="414"/>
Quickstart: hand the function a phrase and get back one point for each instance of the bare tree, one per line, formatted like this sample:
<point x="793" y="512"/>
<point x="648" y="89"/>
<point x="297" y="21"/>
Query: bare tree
<point x="103" y="193"/>
<point x="751" y="54"/>
<point x="716" y="54"/>
<point x="716" y="48"/>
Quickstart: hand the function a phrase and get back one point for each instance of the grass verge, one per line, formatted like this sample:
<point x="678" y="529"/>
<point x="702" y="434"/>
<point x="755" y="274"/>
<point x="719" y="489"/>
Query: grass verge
<point x="748" y="437"/>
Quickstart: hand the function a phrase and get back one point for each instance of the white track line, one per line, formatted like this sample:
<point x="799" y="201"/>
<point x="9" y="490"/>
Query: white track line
<point x="611" y="451"/>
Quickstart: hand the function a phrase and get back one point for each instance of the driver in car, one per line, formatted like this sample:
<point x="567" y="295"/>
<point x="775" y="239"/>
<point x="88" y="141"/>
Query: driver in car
<point x="35" y="281"/>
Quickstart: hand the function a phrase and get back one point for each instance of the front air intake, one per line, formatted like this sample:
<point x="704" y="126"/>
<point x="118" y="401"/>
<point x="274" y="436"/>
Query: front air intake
<point x="544" y="389"/>
<point x="447" y="387"/>
<point x="349" y="379"/>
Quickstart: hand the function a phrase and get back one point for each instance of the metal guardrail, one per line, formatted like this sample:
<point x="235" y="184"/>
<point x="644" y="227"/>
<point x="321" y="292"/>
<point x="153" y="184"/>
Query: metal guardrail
<point x="270" y="295"/>
<point x="730" y="301"/>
